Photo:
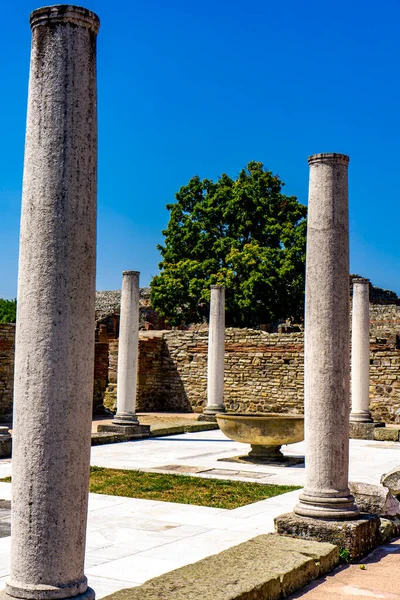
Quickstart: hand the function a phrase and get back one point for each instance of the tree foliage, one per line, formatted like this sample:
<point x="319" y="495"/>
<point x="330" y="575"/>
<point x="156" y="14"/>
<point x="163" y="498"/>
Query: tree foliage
<point x="8" y="311"/>
<point x="243" y="233"/>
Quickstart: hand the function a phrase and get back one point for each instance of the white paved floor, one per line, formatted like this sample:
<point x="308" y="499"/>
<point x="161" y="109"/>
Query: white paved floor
<point x="132" y="540"/>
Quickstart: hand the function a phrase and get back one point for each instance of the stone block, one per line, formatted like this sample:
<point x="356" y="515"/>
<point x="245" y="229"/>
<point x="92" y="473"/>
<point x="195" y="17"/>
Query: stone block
<point x="374" y="499"/>
<point x="205" y="417"/>
<point x="389" y="528"/>
<point x="101" y="438"/>
<point x="391" y="480"/>
<point x="359" y="536"/>
<point x="5" y="442"/>
<point x="130" y="432"/>
<point x="267" y="567"/>
<point x="386" y="434"/>
<point x="363" y="431"/>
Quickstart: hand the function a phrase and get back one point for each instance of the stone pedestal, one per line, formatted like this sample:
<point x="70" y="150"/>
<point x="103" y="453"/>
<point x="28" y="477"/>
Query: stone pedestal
<point x="216" y="353"/>
<point x="326" y="362"/>
<point x="54" y="359"/>
<point x="358" y="536"/>
<point x="132" y="432"/>
<point x="360" y="412"/>
<point x="363" y="431"/>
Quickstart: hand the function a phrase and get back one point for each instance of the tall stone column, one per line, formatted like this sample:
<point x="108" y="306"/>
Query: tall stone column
<point x="360" y="412"/>
<point x="216" y="352"/>
<point x="128" y="350"/>
<point x="327" y="369"/>
<point x="54" y="359"/>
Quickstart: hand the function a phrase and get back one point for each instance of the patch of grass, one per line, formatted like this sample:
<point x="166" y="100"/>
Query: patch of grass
<point x="183" y="489"/>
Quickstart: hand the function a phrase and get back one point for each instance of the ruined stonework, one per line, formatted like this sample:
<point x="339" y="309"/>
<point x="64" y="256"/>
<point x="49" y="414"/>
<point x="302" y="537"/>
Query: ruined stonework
<point x="100" y="375"/>
<point x="384" y="388"/>
<point x="108" y="308"/>
<point x="262" y="371"/>
<point x="7" y="343"/>
<point x="7" y="351"/>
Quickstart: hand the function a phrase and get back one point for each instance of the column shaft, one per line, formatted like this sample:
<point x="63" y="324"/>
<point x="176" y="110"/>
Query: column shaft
<point x="216" y="352"/>
<point x="360" y="412"/>
<point x="327" y="369"/>
<point x="128" y="350"/>
<point x="53" y="389"/>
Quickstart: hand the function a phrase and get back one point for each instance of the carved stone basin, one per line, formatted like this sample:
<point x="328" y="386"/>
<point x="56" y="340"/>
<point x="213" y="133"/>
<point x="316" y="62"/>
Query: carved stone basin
<point x="266" y="433"/>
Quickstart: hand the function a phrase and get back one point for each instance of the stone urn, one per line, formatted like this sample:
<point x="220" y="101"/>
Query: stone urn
<point x="266" y="433"/>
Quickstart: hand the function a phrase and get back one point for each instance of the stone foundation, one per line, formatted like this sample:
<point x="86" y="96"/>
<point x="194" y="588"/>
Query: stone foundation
<point x="131" y="432"/>
<point x="358" y="537"/>
<point x="363" y="431"/>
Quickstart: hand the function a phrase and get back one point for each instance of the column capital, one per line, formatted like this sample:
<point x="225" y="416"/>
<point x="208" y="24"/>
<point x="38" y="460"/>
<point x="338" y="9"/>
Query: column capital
<point x="65" y="13"/>
<point x="130" y="273"/>
<point x="329" y="158"/>
<point x="362" y="280"/>
<point x="217" y="286"/>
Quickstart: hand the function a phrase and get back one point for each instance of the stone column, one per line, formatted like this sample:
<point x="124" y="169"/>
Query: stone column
<point x="216" y="352"/>
<point x="54" y="360"/>
<point x="360" y="412"/>
<point x="128" y="350"/>
<point x="327" y="369"/>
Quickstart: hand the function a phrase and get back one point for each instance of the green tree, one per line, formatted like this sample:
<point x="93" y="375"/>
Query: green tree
<point x="243" y="233"/>
<point x="8" y="311"/>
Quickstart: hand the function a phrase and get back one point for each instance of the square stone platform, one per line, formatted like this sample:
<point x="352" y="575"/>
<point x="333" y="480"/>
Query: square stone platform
<point x="363" y="431"/>
<point x="358" y="536"/>
<point x="130" y="432"/>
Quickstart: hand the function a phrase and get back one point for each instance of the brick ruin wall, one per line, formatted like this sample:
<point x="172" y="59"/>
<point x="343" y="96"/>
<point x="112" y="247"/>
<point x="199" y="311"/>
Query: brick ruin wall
<point x="7" y="342"/>
<point x="7" y="345"/>
<point x="263" y="372"/>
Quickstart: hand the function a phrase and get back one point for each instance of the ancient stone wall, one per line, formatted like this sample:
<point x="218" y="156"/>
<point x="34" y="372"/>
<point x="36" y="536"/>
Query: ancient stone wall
<point x="384" y="319"/>
<point x="263" y="372"/>
<point x="385" y="379"/>
<point x="100" y="375"/>
<point x="7" y="343"/>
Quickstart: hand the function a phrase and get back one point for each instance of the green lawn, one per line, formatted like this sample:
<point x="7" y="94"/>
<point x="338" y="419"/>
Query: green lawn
<point x="183" y="489"/>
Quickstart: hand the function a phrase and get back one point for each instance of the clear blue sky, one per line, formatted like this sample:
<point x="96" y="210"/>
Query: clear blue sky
<point x="189" y="87"/>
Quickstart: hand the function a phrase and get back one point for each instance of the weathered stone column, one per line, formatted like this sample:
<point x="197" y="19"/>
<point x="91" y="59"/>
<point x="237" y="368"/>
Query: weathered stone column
<point x="327" y="369"/>
<point x="56" y="309"/>
<point x="216" y="352"/>
<point x="128" y="350"/>
<point x="360" y="412"/>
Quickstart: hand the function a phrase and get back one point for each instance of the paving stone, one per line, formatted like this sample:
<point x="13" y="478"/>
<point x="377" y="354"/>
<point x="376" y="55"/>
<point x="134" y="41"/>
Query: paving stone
<point x="267" y="567"/>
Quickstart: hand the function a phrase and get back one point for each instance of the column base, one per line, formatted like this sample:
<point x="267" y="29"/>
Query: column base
<point x="327" y="508"/>
<point x="358" y="536"/>
<point x="214" y="409"/>
<point x="362" y="416"/>
<point x="129" y="430"/>
<point x="43" y="593"/>
<point x="128" y="418"/>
